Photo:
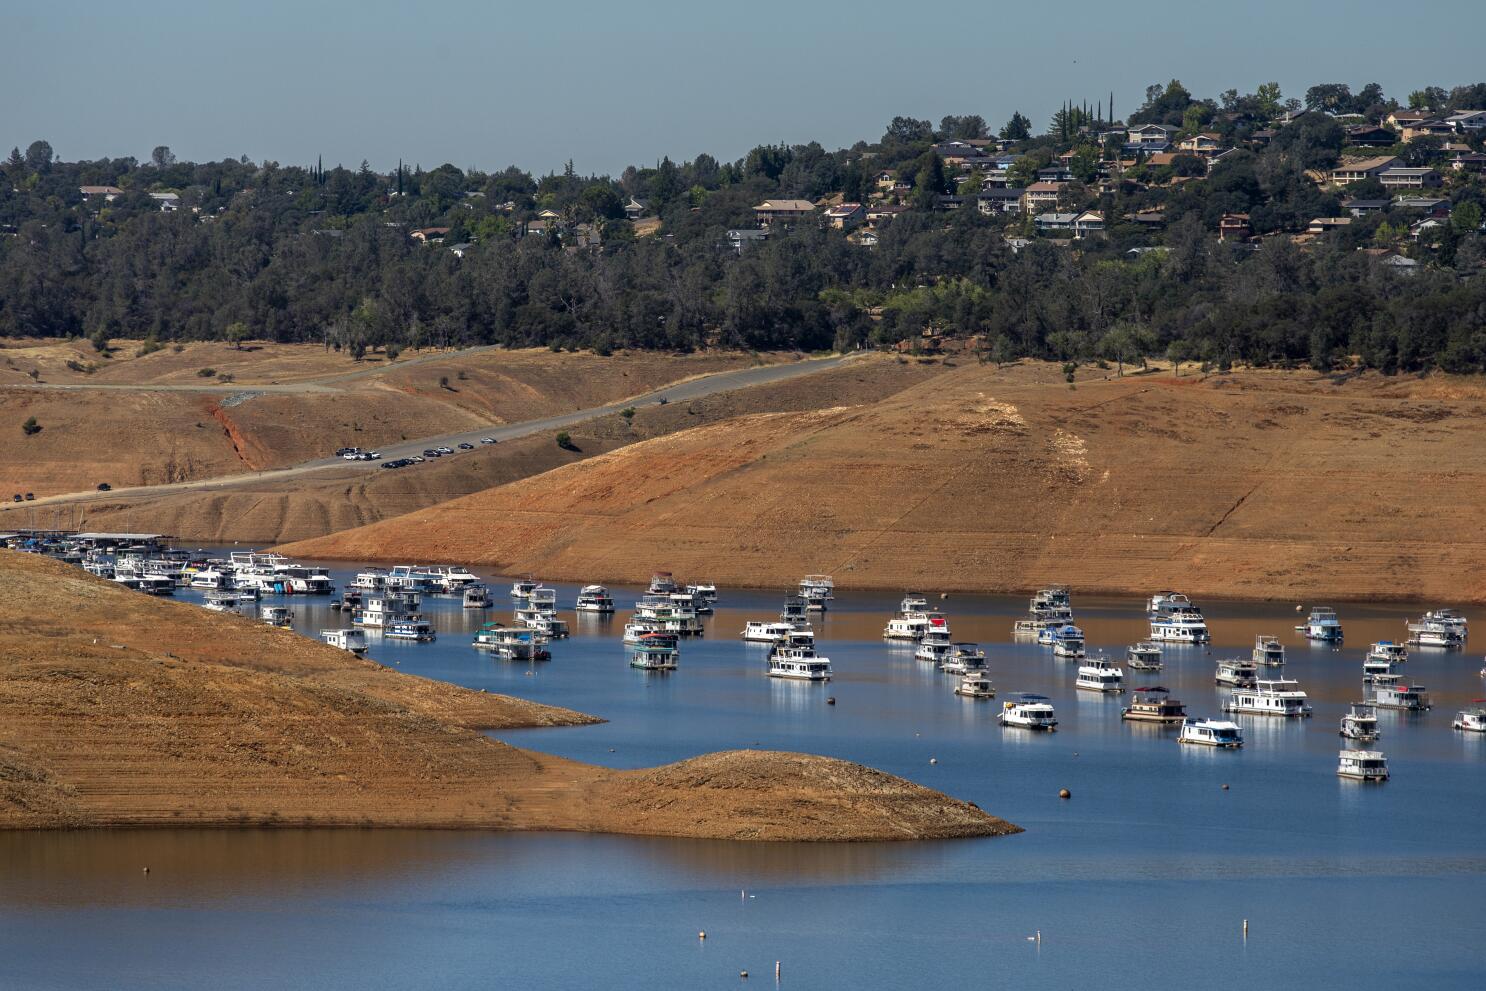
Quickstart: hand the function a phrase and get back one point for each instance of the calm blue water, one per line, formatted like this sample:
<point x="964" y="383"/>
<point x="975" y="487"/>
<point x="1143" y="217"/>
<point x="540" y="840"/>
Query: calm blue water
<point x="1144" y="877"/>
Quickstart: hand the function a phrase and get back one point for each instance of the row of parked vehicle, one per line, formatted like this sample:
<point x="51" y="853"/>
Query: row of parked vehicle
<point x="357" y="454"/>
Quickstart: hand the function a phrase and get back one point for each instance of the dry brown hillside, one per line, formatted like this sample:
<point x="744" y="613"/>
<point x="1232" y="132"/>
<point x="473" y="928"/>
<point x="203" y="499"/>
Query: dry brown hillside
<point x="121" y="710"/>
<point x="152" y="419"/>
<point x="1256" y="484"/>
<point x="339" y="499"/>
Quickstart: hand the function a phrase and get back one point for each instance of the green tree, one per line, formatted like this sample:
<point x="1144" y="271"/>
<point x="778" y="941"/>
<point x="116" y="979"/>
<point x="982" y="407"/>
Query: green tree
<point x="1466" y="217"/>
<point x="1018" y="128"/>
<point x="31" y="427"/>
<point x="235" y="333"/>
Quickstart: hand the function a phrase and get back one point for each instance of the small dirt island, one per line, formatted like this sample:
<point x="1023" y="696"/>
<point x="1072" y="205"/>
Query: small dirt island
<point x="118" y="710"/>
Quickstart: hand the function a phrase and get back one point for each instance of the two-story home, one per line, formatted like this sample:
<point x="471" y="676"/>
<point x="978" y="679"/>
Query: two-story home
<point x="1150" y="137"/>
<point x="635" y="209"/>
<point x="1469" y="162"/>
<point x="1088" y="223"/>
<point x="1400" y="177"/>
<point x="999" y="200"/>
<point x="1467" y="121"/>
<point x="1203" y="144"/>
<point x="1357" y="169"/>
<point x="1400" y="119"/>
<point x="1052" y="222"/>
<point x="1234" y="227"/>
<point x="1368" y="136"/>
<point x="169" y="202"/>
<point x="846" y="216"/>
<point x="1427" y="129"/>
<point x="740" y="240"/>
<point x="1041" y="195"/>
<point x="783" y="212"/>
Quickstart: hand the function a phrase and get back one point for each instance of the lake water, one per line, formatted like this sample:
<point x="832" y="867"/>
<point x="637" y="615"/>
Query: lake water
<point x="1143" y="878"/>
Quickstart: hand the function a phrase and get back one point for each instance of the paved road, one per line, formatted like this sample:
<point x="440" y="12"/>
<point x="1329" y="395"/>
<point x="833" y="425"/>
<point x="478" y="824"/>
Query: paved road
<point x="703" y="385"/>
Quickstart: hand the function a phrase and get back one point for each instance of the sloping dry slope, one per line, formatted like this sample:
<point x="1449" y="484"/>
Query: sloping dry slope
<point x="1256" y="484"/>
<point x="120" y="710"/>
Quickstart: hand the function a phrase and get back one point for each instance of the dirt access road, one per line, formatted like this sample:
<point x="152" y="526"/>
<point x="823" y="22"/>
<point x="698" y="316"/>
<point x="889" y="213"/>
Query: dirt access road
<point x="696" y="388"/>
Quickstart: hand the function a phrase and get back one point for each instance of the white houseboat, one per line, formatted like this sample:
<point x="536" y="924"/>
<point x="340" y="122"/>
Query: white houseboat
<point x="1276" y="697"/>
<point x="370" y="580"/>
<point x="669" y="616"/>
<point x="703" y="597"/>
<point x="817" y="591"/>
<point x="543" y="621"/>
<point x="913" y="626"/>
<point x="1028" y="711"/>
<point x="1143" y="656"/>
<point x="1099" y="674"/>
<point x="663" y="583"/>
<point x="964" y="658"/>
<point x="913" y="602"/>
<point x="378" y="612"/>
<point x="1068" y="641"/>
<point x="1154" y="705"/>
<point x="511" y="643"/>
<point x="1390" y="691"/>
<point x="1429" y="632"/>
<point x="1321" y="625"/>
<point x="411" y="628"/>
<point x="1211" y="733"/>
<point x="975" y="685"/>
<point x="276" y="615"/>
<point x="212" y="578"/>
<point x="220" y="600"/>
<point x="594" y="598"/>
<point x="767" y="631"/>
<point x="799" y="663"/>
<point x="1180" y="625"/>
<point x="1237" y="672"/>
<point x="1268" y="652"/>
<point x="655" y="652"/>
<point x="522" y="588"/>
<point x="1383" y="658"/>
<point x="1362" y="765"/>
<point x="1360" y="723"/>
<point x="1162" y="603"/>
<point x="1452" y="618"/>
<point x="352" y="639"/>
<point x="934" y="649"/>
<point x="475" y="597"/>
<point x="1473" y="719"/>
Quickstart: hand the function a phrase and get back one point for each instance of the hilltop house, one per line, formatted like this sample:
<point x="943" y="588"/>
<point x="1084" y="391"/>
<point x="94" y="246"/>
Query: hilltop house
<point x="1150" y="137"/>
<point x="1367" y="136"/>
<point x="1087" y="223"/>
<point x="1234" y="227"/>
<point x="741" y="240"/>
<point x="1356" y="169"/>
<point x="1361" y="208"/>
<point x="1472" y="162"/>
<point x="1055" y="221"/>
<point x="169" y="202"/>
<point x="107" y="192"/>
<point x="1401" y="119"/>
<point x="1040" y="195"/>
<point x="1201" y="144"/>
<point x="846" y="216"/>
<point x="999" y="200"/>
<point x="783" y="212"/>
<point x="1427" y="129"/>
<point x="1467" y="121"/>
<point x="429" y="235"/>
<point x="634" y="209"/>
<point x="1408" y="178"/>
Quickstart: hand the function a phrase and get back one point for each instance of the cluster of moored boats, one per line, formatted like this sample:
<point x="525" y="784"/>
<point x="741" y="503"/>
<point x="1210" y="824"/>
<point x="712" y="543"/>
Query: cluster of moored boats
<point x="387" y="601"/>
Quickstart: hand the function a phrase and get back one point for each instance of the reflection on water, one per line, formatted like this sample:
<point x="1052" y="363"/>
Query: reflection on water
<point x="1149" y="831"/>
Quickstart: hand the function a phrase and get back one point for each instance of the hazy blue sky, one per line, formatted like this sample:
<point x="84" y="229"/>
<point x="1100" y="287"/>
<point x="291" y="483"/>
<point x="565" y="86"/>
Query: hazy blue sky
<point x="607" y="84"/>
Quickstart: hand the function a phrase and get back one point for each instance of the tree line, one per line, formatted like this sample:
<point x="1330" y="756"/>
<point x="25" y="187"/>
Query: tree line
<point x="308" y="253"/>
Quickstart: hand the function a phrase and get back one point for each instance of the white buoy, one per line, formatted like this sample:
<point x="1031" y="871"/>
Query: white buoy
<point x="702" y="934"/>
<point x="776" y="970"/>
<point x="1245" y="929"/>
<point x="933" y="760"/>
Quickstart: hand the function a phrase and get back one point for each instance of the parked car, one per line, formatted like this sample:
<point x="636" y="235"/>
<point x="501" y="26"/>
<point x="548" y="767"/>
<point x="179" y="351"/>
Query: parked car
<point x="466" y="447"/>
<point x="30" y="496"/>
<point x="431" y="453"/>
<point x="16" y="498"/>
<point x="488" y="440"/>
<point x="104" y="487"/>
<point x="446" y="450"/>
<point x="415" y="459"/>
<point x="342" y="452"/>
